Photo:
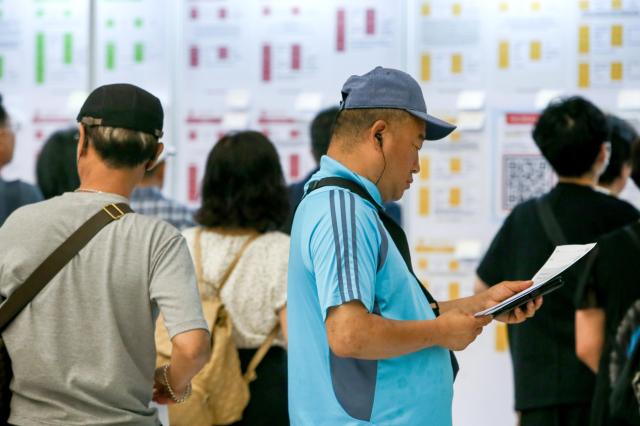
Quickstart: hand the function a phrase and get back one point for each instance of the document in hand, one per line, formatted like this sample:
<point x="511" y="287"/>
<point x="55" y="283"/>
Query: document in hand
<point x="545" y="280"/>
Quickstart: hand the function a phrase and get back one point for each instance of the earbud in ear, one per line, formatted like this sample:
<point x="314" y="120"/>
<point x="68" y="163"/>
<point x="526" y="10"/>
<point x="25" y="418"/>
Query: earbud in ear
<point x="378" y="137"/>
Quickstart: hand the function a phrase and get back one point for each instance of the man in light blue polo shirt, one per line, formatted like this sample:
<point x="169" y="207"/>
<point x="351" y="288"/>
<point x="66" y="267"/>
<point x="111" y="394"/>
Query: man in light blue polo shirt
<point x="365" y="344"/>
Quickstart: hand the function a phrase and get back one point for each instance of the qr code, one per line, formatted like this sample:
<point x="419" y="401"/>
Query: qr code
<point x="524" y="177"/>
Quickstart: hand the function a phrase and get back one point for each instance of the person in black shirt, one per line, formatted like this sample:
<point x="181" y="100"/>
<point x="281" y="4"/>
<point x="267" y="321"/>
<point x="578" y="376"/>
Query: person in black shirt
<point x="604" y="298"/>
<point x="552" y="387"/>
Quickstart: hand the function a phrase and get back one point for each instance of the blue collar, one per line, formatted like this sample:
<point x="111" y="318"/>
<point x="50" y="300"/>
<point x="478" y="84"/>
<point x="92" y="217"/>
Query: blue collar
<point x="330" y="167"/>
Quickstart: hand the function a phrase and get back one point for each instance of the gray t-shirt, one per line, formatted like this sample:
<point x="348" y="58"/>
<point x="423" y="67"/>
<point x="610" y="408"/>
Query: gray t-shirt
<point x="83" y="350"/>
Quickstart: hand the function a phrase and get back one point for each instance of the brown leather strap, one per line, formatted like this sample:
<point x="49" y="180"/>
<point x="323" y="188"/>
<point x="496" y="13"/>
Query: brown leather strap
<point x="250" y="374"/>
<point x="57" y="260"/>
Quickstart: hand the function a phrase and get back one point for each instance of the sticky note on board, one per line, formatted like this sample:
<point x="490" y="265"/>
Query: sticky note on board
<point x="535" y="6"/>
<point x="471" y="120"/>
<point x="455" y="136"/>
<point x="423" y="205"/>
<point x="235" y="120"/>
<point x="456" y="9"/>
<point x="504" y="6"/>
<point x="456" y="63"/>
<point x="503" y="55"/>
<point x="454" y="290"/>
<point x="502" y="339"/>
<point x="238" y="99"/>
<point x="583" y="75"/>
<point x="616" y="4"/>
<point x="471" y="99"/>
<point x="543" y="97"/>
<point x="425" y="9"/>
<point x="629" y="99"/>
<point x="455" y="197"/>
<point x="616" y="71"/>
<point x="425" y="67"/>
<point x="454" y="265"/>
<point x="468" y="249"/>
<point x="535" y="50"/>
<point x="583" y="39"/>
<point x="308" y="102"/>
<point x="584" y="5"/>
<point x="616" y="35"/>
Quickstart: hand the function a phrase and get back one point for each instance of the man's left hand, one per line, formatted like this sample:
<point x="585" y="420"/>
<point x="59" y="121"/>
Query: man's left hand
<point x="506" y="289"/>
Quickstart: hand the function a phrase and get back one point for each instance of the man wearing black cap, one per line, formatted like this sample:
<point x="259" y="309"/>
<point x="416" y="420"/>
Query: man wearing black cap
<point x="366" y="344"/>
<point x="83" y="350"/>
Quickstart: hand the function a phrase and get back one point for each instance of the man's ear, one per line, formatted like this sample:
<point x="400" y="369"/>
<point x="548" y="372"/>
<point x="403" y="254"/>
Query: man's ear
<point x="80" y="149"/>
<point x="154" y="162"/>
<point x="376" y="132"/>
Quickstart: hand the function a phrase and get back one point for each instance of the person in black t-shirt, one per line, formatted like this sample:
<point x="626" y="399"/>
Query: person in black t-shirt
<point x="604" y="298"/>
<point x="552" y="387"/>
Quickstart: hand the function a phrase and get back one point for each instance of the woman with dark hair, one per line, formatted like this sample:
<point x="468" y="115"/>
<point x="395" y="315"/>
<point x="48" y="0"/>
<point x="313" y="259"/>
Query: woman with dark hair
<point x="57" y="167"/>
<point x="237" y="245"/>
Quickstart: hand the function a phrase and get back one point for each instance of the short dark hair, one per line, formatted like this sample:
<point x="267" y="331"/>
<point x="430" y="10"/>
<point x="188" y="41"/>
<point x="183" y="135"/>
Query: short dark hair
<point x="243" y="185"/>
<point x="351" y="123"/>
<point x="570" y="133"/>
<point x="57" y="168"/>
<point x="121" y="148"/>
<point x="622" y="136"/>
<point x="635" y="163"/>
<point x="321" y="130"/>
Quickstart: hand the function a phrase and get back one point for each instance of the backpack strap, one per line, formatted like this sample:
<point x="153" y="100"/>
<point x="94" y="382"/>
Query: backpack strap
<point x="549" y="222"/>
<point x="634" y="234"/>
<point x="197" y="255"/>
<point x="250" y="374"/>
<point x="50" y="267"/>
<point x="395" y="231"/>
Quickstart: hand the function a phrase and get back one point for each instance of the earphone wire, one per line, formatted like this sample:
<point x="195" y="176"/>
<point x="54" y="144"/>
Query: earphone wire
<point x="384" y="159"/>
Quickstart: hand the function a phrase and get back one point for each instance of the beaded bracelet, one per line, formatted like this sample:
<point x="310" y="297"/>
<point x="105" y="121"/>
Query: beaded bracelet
<point x="174" y="398"/>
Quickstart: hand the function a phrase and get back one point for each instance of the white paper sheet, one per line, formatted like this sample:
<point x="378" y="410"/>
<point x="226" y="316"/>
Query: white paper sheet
<point x="559" y="261"/>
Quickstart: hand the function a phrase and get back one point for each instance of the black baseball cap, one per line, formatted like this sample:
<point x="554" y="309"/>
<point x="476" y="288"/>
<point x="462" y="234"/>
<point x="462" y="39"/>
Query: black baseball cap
<point x="391" y="88"/>
<point x="125" y="106"/>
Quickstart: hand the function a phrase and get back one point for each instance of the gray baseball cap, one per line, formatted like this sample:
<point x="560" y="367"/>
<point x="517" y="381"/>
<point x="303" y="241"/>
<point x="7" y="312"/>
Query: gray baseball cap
<point x="390" y="88"/>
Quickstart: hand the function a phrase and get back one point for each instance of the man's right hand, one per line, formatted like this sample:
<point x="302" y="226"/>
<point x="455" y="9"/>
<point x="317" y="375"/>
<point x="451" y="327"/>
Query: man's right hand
<point x="457" y="329"/>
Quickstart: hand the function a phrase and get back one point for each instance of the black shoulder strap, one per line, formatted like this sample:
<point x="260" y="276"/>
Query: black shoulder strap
<point x="57" y="260"/>
<point x="549" y="222"/>
<point x="633" y="233"/>
<point x="395" y="231"/>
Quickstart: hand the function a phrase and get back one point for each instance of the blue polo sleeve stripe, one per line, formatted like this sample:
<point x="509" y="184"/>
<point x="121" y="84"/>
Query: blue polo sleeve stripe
<point x="345" y="261"/>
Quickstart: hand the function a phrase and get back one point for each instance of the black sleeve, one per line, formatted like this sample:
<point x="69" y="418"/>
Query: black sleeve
<point x="492" y="268"/>
<point x="586" y="291"/>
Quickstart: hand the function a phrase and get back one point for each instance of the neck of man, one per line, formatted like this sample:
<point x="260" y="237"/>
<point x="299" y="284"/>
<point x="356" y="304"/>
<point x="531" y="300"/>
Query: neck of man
<point x="359" y="160"/>
<point x="98" y="176"/>
<point x="588" y="179"/>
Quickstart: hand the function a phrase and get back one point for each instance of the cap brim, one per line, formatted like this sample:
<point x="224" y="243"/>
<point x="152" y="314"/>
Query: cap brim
<point x="436" y="128"/>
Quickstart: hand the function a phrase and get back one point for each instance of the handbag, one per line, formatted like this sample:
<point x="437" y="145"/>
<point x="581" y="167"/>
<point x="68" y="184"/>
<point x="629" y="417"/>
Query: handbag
<point x="38" y="279"/>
